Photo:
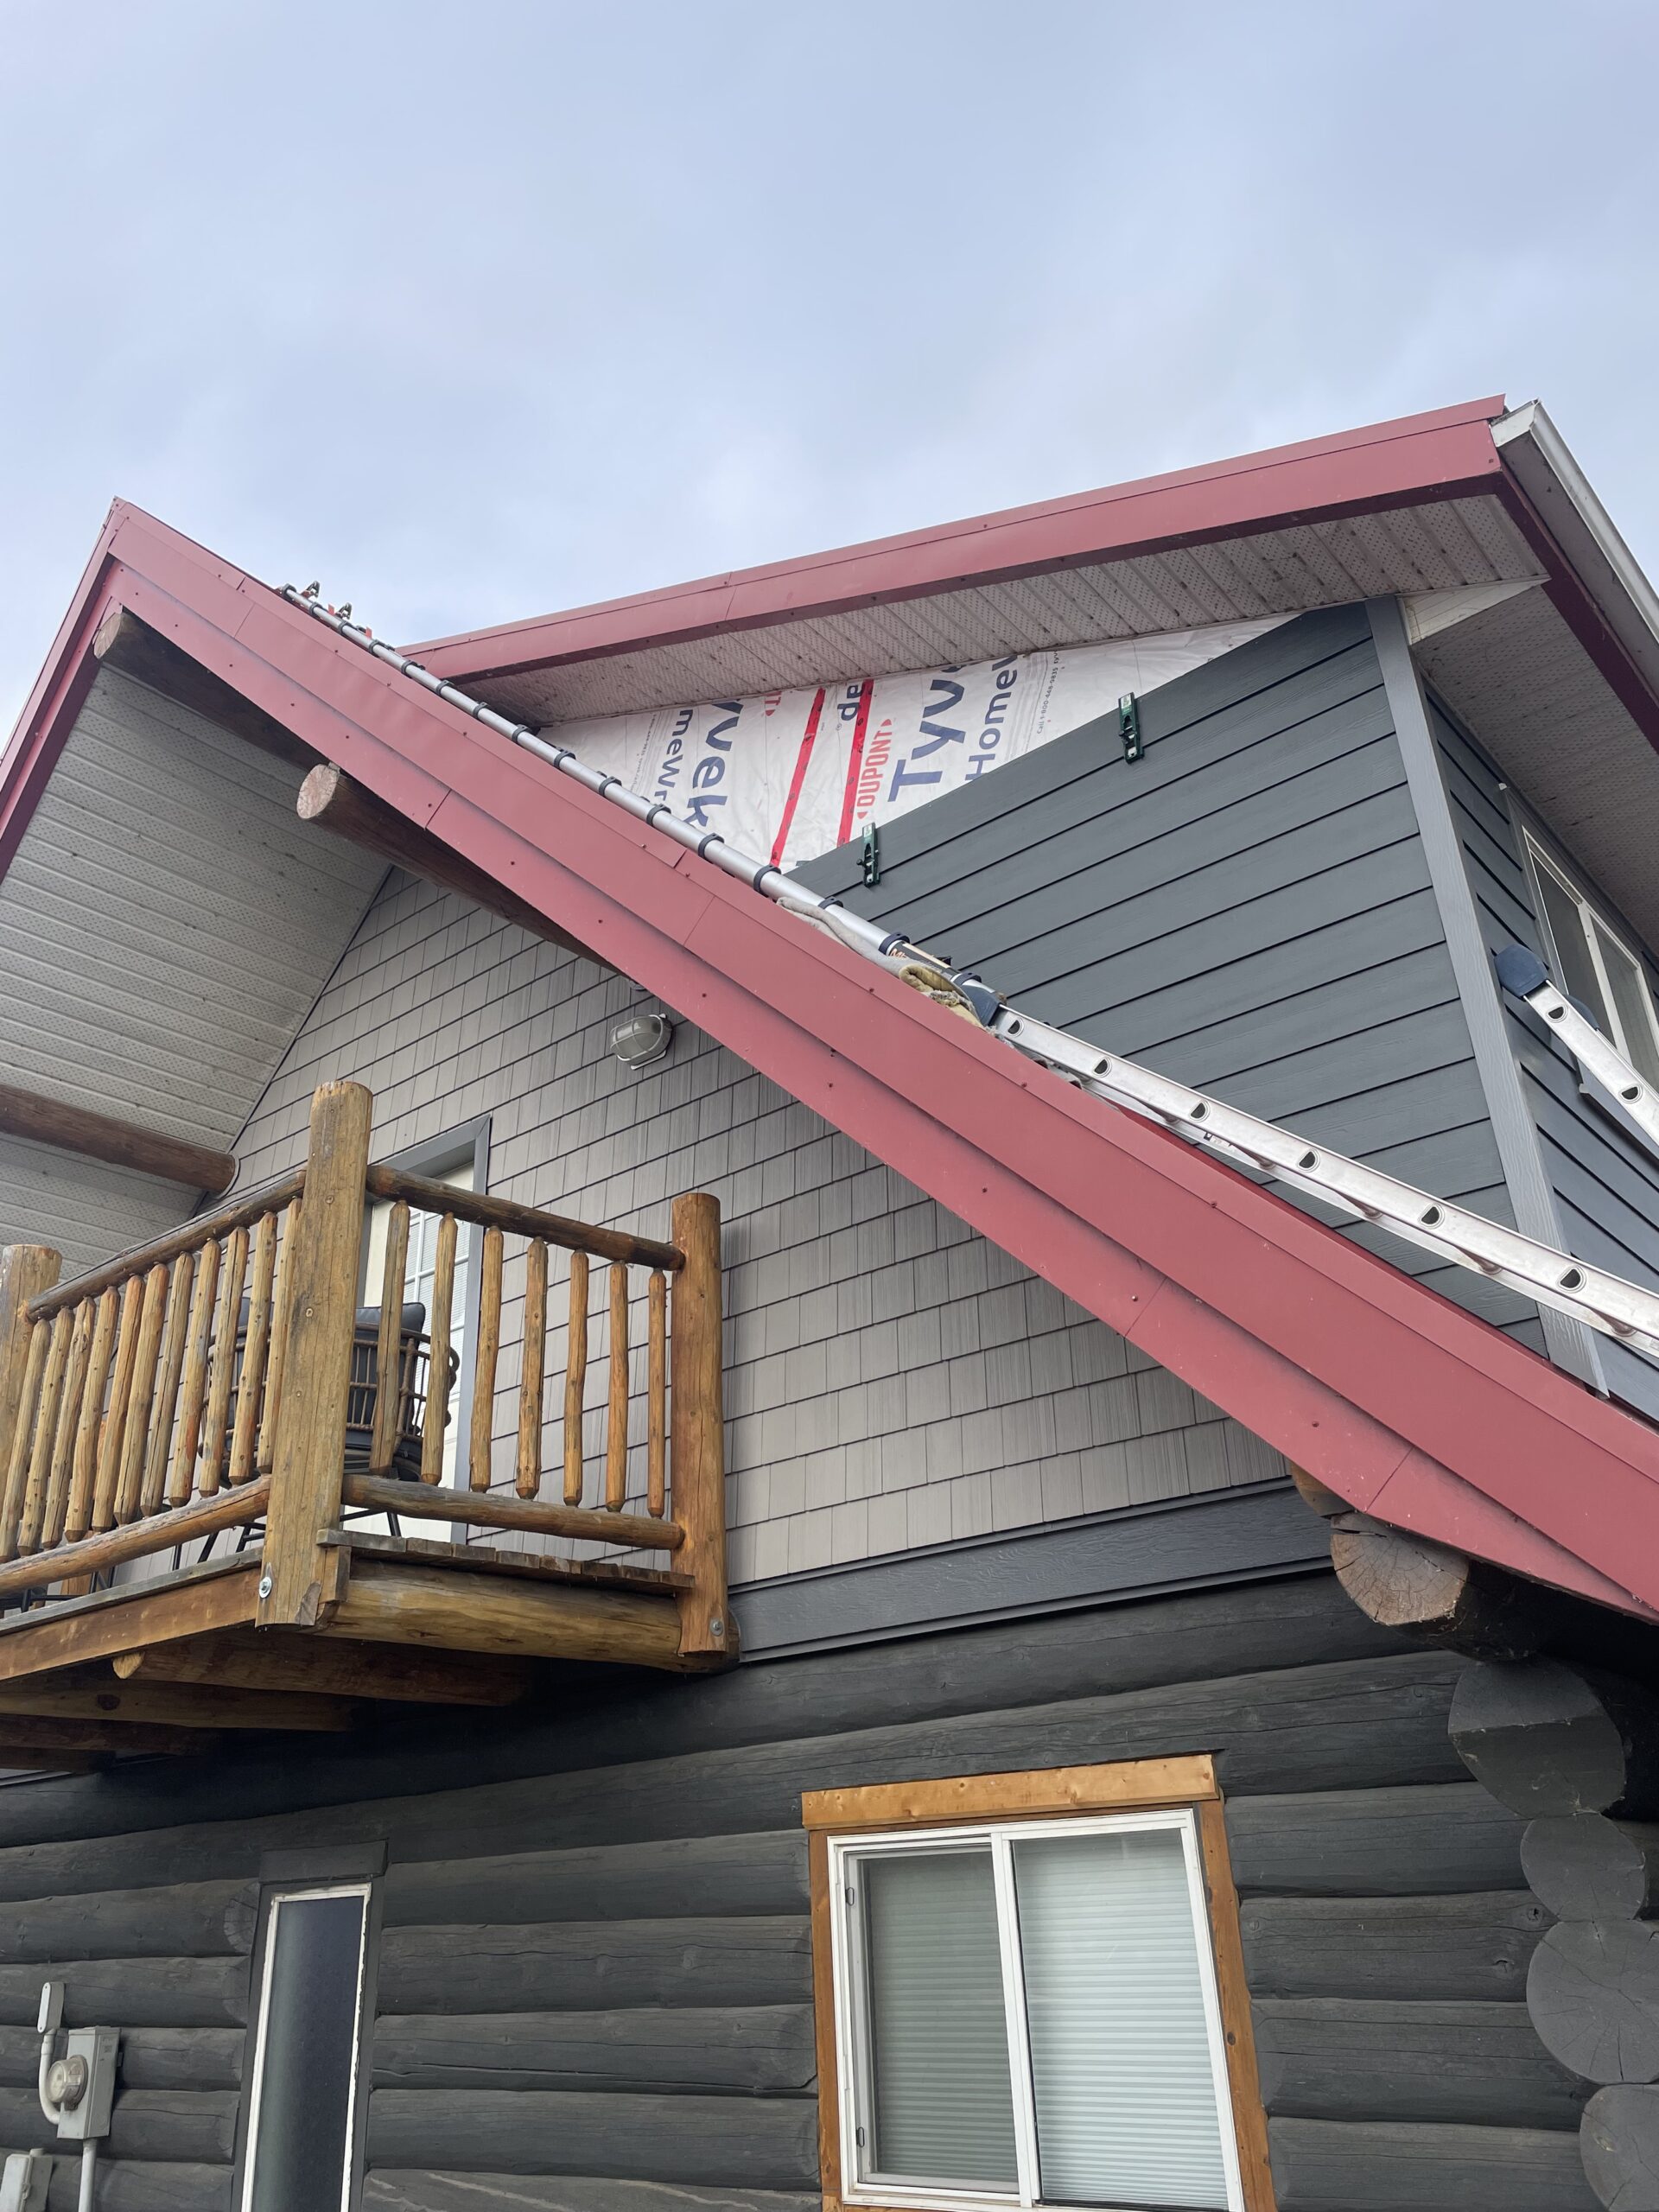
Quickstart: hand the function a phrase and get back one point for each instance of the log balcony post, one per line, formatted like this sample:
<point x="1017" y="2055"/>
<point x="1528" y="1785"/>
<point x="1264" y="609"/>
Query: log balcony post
<point x="697" y="1438"/>
<point x="301" y="1563"/>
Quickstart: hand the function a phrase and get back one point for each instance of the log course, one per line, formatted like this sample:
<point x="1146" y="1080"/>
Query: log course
<point x="54" y="1123"/>
<point x="276" y="1659"/>
<point x="24" y="1736"/>
<point x="144" y="2185"/>
<point x="126" y="643"/>
<point x="330" y="800"/>
<point x="1335" y="2057"/>
<point x="187" y="2126"/>
<point x="134" y="1993"/>
<point x="177" y="1921"/>
<point x="1593" y="1989"/>
<point x="752" y="2142"/>
<point x="490" y="1510"/>
<point x="392" y="1604"/>
<point x="1546" y="1737"/>
<point x="1419" y="1949"/>
<point x="1321" y="2165"/>
<point x="1585" y="1867"/>
<point x="1427" y="1841"/>
<point x="697" y="1877"/>
<point x="151" y="2058"/>
<point x="582" y="1966"/>
<point x="752" y="2049"/>
<point x="401" y="2189"/>
<point x="1619" y="2144"/>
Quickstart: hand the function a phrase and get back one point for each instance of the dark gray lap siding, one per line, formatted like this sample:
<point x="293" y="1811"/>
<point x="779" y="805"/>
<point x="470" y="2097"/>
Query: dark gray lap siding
<point x="1248" y="909"/>
<point x="594" y="1982"/>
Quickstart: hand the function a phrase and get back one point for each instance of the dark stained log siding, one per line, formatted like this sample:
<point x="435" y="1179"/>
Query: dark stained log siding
<point x="592" y="1990"/>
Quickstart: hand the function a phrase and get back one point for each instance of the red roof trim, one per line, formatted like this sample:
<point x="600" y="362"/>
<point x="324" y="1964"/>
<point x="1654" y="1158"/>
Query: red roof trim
<point x="1444" y="454"/>
<point x="1397" y="1399"/>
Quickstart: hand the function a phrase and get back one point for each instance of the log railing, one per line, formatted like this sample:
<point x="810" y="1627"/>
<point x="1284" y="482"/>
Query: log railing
<point x="221" y="1377"/>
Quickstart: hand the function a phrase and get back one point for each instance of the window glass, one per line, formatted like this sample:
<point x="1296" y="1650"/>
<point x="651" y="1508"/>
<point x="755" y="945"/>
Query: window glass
<point x="1632" y="1005"/>
<point x="1032" y="2015"/>
<point x="938" y="2040"/>
<point x="1578" y="973"/>
<point x="304" y="2086"/>
<point x="1120" y="2042"/>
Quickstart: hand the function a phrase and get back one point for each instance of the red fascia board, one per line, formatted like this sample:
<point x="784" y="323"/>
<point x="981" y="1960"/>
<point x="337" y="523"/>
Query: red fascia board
<point x="1445" y="454"/>
<point x="1346" y="1364"/>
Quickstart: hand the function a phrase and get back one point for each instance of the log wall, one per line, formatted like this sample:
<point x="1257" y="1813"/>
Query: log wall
<point x="593" y="1977"/>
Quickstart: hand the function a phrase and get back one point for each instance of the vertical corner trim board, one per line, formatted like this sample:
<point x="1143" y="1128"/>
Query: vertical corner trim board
<point x="596" y="1955"/>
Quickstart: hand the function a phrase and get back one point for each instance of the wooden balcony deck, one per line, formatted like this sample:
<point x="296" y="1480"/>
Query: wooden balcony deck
<point x="222" y="1387"/>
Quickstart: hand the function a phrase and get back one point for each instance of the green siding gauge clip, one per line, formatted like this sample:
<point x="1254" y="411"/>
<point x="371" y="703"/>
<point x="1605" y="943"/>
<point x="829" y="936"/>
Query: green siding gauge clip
<point x="1128" y="726"/>
<point x="872" y="856"/>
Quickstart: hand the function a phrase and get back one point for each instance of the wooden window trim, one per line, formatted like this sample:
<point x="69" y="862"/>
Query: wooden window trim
<point x="1123" y="1786"/>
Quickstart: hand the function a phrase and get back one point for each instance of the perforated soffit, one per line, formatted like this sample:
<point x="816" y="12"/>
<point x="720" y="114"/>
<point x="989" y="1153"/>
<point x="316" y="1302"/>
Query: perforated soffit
<point x="1436" y="547"/>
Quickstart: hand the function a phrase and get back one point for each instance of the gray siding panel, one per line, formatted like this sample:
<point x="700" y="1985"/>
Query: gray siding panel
<point x="1605" y="1182"/>
<point x="608" y="2001"/>
<point x="1248" y="908"/>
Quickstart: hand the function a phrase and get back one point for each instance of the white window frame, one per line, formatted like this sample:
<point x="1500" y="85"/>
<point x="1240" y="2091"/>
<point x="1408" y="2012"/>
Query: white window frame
<point x="1595" y="921"/>
<point x="852" y="2051"/>
<point x="296" y="1894"/>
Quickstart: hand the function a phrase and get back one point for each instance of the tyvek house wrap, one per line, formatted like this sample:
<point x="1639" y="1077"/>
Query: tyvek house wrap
<point x="793" y="774"/>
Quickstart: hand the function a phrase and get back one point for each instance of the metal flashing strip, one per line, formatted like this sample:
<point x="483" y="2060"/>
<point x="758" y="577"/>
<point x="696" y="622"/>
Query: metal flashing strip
<point x="1606" y="1302"/>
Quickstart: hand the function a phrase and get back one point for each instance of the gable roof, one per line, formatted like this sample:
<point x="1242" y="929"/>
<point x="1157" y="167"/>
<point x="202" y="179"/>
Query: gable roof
<point x="1401" y="1402"/>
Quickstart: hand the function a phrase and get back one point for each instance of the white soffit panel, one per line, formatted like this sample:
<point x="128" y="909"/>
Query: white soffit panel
<point x="1519" y="677"/>
<point x="165" y="927"/>
<point x="1442" y="546"/>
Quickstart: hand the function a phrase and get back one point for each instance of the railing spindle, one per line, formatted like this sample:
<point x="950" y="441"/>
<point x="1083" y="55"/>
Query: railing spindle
<point x="115" y="1418"/>
<point x="90" y="1427"/>
<point x="389" y="1377"/>
<point x="437" y="1369"/>
<point x="529" y="1473"/>
<point x="275" y="1366"/>
<point x="129" y="1482"/>
<point x="182" y="1275"/>
<point x="46" y="1429"/>
<point x="224" y="1334"/>
<point x="575" y="1378"/>
<point x="616" y="1439"/>
<point x="62" y="1450"/>
<point x="657" y="1395"/>
<point x="11" y="1513"/>
<point x="187" y="1440"/>
<point x="483" y="1361"/>
<point x="261" y="1278"/>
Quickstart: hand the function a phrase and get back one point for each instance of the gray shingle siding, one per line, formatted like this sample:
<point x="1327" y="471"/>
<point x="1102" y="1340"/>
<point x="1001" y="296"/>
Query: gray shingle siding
<point x="1606" y="1183"/>
<point x="892" y="1380"/>
<point x="1246" y="908"/>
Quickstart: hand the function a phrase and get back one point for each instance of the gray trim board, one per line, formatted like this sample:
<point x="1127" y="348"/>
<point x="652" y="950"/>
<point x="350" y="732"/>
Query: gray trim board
<point x="1570" y="1345"/>
<point x="1140" y="1551"/>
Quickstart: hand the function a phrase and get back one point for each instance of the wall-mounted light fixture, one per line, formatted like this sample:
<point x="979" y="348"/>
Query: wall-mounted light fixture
<point x="642" y="1038"/>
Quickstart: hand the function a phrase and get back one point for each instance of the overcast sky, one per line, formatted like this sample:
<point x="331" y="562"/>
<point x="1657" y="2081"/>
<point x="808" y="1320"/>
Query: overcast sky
<point x="482" y="308"/>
